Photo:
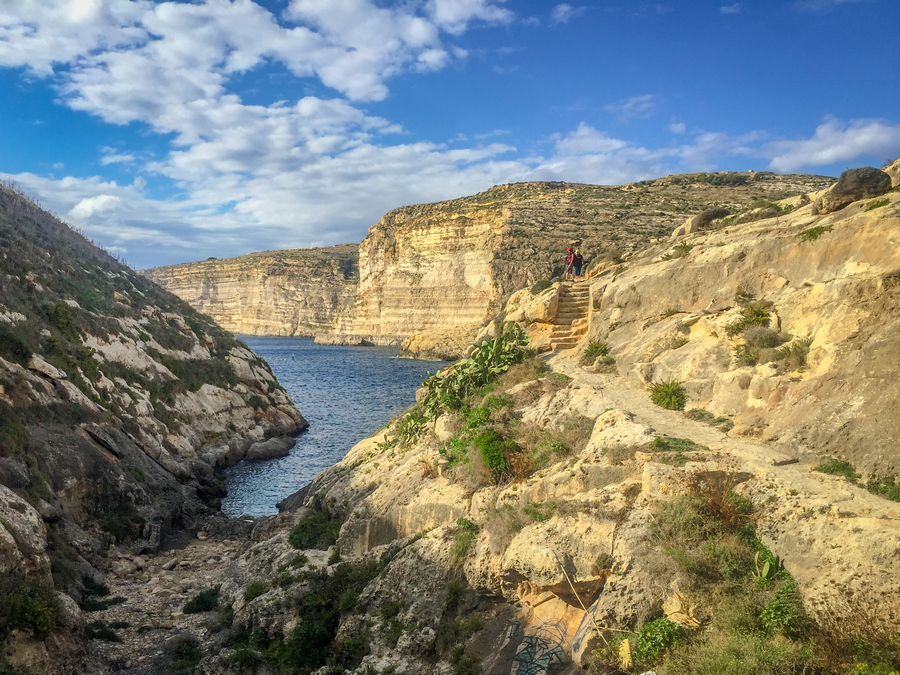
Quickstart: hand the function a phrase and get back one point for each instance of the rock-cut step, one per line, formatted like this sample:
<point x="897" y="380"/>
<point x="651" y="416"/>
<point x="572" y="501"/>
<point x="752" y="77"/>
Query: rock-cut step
<point x="571" y="322"/>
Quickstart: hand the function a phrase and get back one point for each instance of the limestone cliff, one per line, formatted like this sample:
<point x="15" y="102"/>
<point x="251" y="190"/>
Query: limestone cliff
<point x="296" y="292"/>
<point x="449" y="266"/>
<point x="558" y="519"/>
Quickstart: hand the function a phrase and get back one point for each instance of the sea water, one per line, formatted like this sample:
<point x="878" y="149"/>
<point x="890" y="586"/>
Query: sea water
<point x="345" y="393"/>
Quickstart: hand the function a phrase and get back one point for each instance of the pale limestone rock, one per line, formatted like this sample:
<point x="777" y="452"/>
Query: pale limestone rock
<point x="616" y="428"/>
<point x="544" y="307"/>
<point x="274" y="447"/>
<point x="39" y="365"/>
<point x="23" y="537"/>
<point x="894" y="172"/>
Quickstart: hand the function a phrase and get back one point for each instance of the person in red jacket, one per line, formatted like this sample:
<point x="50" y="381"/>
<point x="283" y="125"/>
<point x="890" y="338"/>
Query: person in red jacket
<point x="570" y="257"/>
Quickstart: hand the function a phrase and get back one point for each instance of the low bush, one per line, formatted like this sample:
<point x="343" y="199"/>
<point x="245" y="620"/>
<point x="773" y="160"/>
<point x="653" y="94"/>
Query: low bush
<point x="794" y="355"/>
<point x="539" y="511"/>
<point x="540" y="286"/>
<point x="317" y="530"/>
<point x="877" y="204"/>
<point x="761" y="336"/>
<point x="669" y="394"/>
<point x="885" y="486"/>
<point x="655" y="638"/>
<point x="204" y="601"/>
<point x="29" y="605"/>
<point x="466" y="533"/>
<point x="814" y="233"/>
<point x="495" y="452"/>
<point x="13" y="347"/>
<point x="837" y="467"/>
<point x="754" y="313"/>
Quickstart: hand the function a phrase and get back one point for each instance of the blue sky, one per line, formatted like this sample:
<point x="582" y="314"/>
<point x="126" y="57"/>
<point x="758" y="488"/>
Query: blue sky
<point x="171" y="132"/>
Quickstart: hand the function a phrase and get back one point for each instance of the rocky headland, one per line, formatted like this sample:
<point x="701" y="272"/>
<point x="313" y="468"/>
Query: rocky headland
<point x="439" y="271"/>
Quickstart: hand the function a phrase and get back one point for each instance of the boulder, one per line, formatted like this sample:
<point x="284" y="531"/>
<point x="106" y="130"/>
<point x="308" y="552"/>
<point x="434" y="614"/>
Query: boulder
<point x="544" y="307"/>
<point x="853" y="185"/>
<point x="274" y="447"/>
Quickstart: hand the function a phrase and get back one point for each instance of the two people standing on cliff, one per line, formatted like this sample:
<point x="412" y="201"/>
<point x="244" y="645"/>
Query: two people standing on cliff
<point x="574" y="263"/>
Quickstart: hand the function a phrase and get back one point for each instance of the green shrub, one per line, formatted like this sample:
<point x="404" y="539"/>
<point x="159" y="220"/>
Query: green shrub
<point x="494" y="451"/>
<point x="761" y="336"/>
<point x="450" y="390"/>
<point x="745" y="355"/>
<point x="655" y="638"/>
<point x="255" y="589"/>
<point x="877" y="204"/>
<point x="837" y="467"/>
<point x="98" y="630"/>
<point x="794" y="355"/>
<point x="595" y="349"/>
<point x="467" y="532"/>
<point x="13" y="347"/>
<point x="886" y="487"/>
<point x="13" y="434"/>
<point x="680" y="251"/>
<point x="669" y="394"/>
<point x="194" y="373"/>
<point x="539" y="511"/>
<point x="348" y="653"/>
<point x="316" y="530"/>
<point x="204" y="601"/>
<point x="753" y="314"/>
<point x="814" y="233"/>
<point x="185" y="653"/>
<point x="671" y="444"/>
<point x="27" y="604"/>
<point x="784" y="612"/>
<point x="740" y="653"/>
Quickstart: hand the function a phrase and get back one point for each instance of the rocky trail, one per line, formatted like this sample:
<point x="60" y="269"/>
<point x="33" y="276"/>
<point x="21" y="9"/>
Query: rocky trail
<point x="149" y="595"/>
<point x="836" y="538"/>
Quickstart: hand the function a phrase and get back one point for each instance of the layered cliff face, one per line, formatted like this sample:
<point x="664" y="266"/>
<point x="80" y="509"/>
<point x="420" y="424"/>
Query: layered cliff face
<point x="296" y="292"/>
<point x="559" y="512"/>
<point x="448" y="266"/>
<point x="117" y="403"/>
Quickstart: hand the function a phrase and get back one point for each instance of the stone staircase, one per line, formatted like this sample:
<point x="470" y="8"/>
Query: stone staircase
<point x="571" y="322"/>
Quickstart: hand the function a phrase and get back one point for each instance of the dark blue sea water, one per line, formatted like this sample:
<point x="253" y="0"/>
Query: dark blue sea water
<point x="345" y="393"/>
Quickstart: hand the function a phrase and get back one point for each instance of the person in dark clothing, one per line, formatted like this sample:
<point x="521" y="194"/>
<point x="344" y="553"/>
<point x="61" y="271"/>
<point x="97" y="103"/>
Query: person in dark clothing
<point x="577" y="263"/>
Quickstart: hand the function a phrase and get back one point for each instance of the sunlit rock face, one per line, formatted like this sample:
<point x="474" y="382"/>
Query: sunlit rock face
<point x="449" y="265"/>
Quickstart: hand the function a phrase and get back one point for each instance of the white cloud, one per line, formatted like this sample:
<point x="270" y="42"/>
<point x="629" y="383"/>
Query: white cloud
<point x="110" y="156"/>
<point x="636" y="107"/>
<point x="677" y="127"/>
<point x="732" y="9"/>
<point x="836" y="141"/>
<point x="454" y="16"/>
<point x="564" y="12"/>
<point x="91" y="205"/>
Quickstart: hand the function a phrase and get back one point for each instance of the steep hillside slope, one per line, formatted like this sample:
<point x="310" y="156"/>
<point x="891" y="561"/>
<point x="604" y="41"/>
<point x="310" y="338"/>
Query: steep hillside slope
<point x="117" y="403"/>
<point x="448" y="266"/>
